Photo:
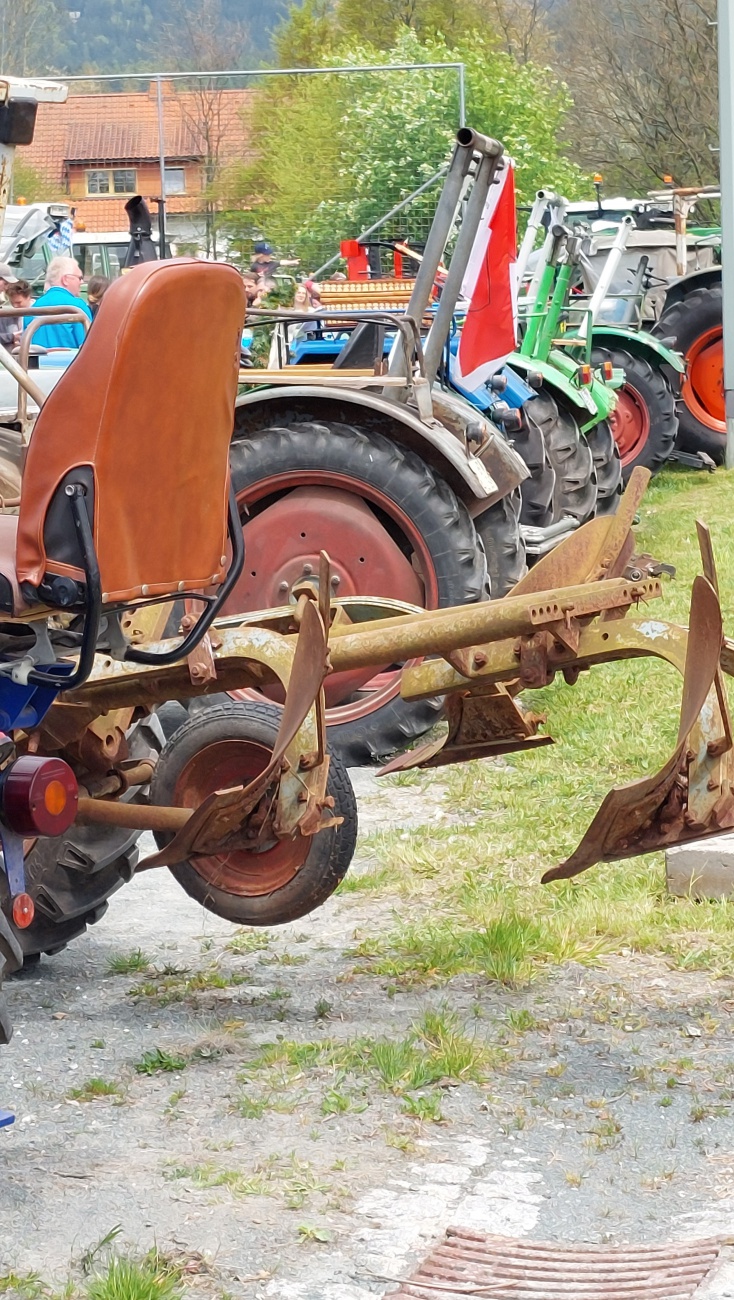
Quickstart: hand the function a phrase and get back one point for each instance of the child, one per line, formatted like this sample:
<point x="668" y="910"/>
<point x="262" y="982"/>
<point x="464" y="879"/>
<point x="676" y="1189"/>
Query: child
<point x="97" y="287"/>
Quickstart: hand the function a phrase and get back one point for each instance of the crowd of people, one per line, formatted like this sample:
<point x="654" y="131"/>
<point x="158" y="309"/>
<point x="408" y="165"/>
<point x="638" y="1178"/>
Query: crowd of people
<point x="62" y="288"/>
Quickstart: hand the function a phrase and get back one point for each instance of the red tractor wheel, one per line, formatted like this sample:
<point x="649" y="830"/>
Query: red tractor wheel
<point x="391" y="527"/>
<point x="644" y="422"/>
<point x="229" y="745"/>
<point x="694" y="326"/>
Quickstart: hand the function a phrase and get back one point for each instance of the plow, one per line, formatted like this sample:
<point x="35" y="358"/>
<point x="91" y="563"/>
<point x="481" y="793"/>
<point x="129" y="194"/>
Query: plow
<point x="116" y="577"/>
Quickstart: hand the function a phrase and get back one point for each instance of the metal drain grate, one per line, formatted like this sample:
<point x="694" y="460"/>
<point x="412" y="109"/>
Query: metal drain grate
<point x="503" y="1268"/>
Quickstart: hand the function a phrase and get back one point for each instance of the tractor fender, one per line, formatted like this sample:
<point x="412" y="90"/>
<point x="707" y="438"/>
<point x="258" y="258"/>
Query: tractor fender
<point x="478" y="480"/>
<point x="680" y="288"/>
<point x="639" y="343"/>
<point x="555" y="379"/>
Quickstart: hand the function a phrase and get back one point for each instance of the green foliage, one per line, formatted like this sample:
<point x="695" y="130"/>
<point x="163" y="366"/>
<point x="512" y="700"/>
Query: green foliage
<point x="158" y="1061"/>
<point x="336" y="153"/>
<point x="127" y="1279"/>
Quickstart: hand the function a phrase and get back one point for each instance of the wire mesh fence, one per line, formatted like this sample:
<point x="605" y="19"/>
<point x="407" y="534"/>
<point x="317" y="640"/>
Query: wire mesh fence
<point x="299" y="159"/>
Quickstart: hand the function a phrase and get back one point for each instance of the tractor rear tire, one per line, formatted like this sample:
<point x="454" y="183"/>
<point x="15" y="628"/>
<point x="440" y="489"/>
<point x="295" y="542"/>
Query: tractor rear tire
<point x="412" y="507"/>
<point x="70" y="880"/>
<point x="11" y="959"/>
<point x="694" y="327"/>
<point x="246" y="734"/>
<point x="574" y="491"/>
<point x="645" y="424"/>
<point x="607" y="467"/>
<point x="499" y="531"/>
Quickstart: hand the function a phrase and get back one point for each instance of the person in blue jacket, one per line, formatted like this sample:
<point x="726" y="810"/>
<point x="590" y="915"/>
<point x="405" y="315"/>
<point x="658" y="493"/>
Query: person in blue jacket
<point x="63" y="288"/>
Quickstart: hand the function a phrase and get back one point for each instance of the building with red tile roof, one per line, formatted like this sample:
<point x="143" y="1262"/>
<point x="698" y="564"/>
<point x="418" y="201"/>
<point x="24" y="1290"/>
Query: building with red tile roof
<point x="95" y="151"/>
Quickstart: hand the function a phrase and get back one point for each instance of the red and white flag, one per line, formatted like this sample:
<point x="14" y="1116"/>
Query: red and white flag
<point x="490" y="287"/>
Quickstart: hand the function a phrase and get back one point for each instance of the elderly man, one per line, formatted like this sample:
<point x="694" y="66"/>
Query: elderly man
<point x="63" y="288"/>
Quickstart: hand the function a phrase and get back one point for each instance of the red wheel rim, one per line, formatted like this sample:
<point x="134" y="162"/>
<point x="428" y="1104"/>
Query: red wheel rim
<point x="630" y="421"/>
<point x="703" y="386"/>
<point x="304" y="512"/>
<point x="247" y="874"/>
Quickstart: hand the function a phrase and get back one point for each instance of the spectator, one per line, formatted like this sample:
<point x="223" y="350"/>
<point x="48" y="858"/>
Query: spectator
<point x="21" y="298"/>
<point x="97" y="286"/>
<point x="252" y="288"/>
<point x="8" y="326"/>
<point x="63" y="288"/>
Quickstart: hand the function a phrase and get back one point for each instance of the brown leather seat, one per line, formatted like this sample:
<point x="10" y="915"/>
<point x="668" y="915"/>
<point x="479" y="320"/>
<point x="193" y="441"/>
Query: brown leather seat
<point x="143" y="419"/>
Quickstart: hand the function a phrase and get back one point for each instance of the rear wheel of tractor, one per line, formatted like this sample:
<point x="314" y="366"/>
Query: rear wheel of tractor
<point x="694" y="326"/>
<point x="11" y="959"/>
<point x="574" y="492"/>
<point x="644" y="423"/>
<point x="229" y="745"/>
<point x="499" y="530"/>
<point x="537" y="491"/>
<point x="392" y="527"/>
<point x="70" y="880"/>
<point x="607" y="467"/>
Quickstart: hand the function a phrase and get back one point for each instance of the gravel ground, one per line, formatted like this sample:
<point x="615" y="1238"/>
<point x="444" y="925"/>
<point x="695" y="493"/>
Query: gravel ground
<point x="606" y="1118"/>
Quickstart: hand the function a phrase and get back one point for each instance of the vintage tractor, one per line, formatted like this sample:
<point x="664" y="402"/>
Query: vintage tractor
<point x="126" y="514"/>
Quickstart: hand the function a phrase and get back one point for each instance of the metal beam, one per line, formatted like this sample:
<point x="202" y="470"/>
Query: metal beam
<point x="726" y="172"/>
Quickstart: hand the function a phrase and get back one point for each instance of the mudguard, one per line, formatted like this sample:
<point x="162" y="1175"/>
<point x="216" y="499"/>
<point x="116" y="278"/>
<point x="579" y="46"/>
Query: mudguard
<point x="479" y="480"/>
<point x="554" y="378"/>
<point x="639" y="343"/>
<point x="679" y="289"/>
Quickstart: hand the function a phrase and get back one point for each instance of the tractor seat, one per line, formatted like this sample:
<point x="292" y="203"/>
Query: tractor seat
<point x="139" y="426"/>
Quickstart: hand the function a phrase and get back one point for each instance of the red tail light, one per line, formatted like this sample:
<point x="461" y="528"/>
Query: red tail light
<point x="586" y="375"/>
<point x="39" y="796"/>
<point x="608" y="370"/>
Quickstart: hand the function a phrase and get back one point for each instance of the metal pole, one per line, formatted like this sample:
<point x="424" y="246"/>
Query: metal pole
<point x="462" y="94"/>
<point x="441" y="227"/>
<point x="162" y="168"/>
<point x="438" y="333"/>
<point x="726" y="165"/>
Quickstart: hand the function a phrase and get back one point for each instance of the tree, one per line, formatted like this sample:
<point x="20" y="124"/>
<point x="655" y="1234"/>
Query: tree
<point x="643" y="78"/>
<point x="336" y="153"/>
<point x="29" y="30"/>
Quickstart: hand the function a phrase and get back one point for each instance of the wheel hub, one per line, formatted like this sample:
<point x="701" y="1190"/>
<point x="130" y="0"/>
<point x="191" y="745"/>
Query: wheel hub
<point x="250" y="873"/>
<point x="282" y="548"/>
<point x="703" y="387"/>
<point x="630" y="423"/>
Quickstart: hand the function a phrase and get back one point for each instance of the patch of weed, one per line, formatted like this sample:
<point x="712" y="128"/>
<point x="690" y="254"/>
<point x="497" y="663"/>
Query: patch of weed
<point x="93" y="1089"/>
<point x="159" y="1061"/>
<point x="128" y="963"/>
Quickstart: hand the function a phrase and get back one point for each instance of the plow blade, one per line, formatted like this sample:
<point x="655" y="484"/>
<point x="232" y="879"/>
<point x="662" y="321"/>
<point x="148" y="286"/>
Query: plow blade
<point x="691" y="796"/>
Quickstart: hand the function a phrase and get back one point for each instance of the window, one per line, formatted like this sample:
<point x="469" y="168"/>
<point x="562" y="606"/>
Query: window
<point x="174" y="179"/>
<point x="89" y="257"/>
<point x="119" y="181"/>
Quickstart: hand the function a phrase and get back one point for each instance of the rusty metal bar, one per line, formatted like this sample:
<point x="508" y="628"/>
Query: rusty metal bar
<point x="137" y="816"/>
<point x="394" y="640"/>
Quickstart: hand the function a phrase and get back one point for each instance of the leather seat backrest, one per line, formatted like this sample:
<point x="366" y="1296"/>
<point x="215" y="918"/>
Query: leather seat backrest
<point x="143" y="417"/>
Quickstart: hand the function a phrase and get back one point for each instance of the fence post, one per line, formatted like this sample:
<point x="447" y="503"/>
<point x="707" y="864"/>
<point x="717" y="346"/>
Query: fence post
<point x="162" y="167"/>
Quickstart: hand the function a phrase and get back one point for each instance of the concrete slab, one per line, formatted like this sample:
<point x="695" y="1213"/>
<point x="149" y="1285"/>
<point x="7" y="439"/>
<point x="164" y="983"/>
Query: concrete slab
<point x="702" y="869"/>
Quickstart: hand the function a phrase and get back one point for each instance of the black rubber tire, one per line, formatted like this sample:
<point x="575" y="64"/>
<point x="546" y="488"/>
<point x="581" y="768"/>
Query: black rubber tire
<point x="499" y="530"/>
<point x="537" y="491"/>
<point x="434" y="510"/>
<point x="607" y="467"/>
<point x="11" y="959"/>
<point x="331" y="851"/>
<point x="574" y="491"/>
<point x="651" y="386"/>
<point x="70" y="880"/>
<point x="680" y="325"/>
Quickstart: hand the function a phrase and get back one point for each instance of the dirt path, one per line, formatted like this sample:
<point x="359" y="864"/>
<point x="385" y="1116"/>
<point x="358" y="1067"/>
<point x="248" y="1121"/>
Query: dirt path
<point x="604" y="1112"/>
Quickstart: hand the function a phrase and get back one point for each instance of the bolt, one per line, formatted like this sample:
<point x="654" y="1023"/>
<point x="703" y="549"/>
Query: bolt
<point x="198" y="672"/>
<point x="335" y="580"/>
<point x="479" y="659"/>
<point x="307" y="570"/>
<point x="283" y="586"/>
<point x="712" y="783"/>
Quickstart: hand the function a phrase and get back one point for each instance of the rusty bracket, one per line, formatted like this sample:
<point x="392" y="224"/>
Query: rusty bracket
<point x="481" y="725"/>
<point x="202" y="667"/>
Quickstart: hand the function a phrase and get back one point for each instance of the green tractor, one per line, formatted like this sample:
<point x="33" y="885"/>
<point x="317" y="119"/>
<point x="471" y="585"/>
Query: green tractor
<point x="621" y="380"/>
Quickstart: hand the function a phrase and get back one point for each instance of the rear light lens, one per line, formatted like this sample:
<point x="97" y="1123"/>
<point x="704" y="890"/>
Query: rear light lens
<point x="39" y="796"/>
<point x="24" y="911"/>
<point x="586" y="375"/>
<point x="608" y="370"/>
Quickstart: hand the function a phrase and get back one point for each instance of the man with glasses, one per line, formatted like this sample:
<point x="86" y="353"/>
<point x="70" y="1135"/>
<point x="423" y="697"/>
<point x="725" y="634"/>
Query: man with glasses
<point x="63" y="288"/>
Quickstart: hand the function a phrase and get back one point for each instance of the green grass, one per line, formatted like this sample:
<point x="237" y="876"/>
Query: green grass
<point x="94" y="1089"/>
<point x="158" y="1061"/>
<point x="476" y="903"/>
<point x="128" y="963"/>
<point x="127" y="1279"/>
